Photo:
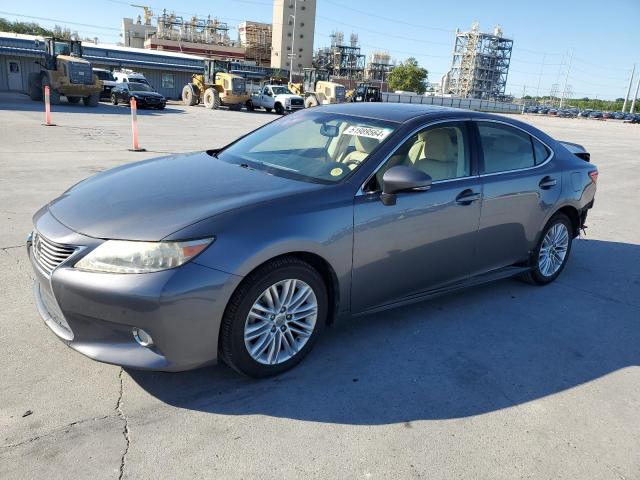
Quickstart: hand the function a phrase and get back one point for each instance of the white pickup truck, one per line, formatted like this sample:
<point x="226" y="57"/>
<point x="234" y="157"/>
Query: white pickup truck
<point x="276" y="97"/>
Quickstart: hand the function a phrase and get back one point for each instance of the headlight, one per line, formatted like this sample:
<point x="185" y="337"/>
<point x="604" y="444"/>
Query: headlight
<point x="122" y="256"/>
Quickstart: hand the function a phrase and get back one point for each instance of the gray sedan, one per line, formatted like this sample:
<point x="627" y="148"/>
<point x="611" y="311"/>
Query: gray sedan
<point x="246" y="253"/>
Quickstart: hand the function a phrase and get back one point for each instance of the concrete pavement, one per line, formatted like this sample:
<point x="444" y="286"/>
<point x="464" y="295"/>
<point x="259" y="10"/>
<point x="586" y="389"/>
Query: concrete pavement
<point x="502" y="381"/>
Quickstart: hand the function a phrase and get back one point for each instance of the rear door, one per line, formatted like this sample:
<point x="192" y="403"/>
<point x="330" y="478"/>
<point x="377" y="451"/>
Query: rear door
<point x="520" y="184"/>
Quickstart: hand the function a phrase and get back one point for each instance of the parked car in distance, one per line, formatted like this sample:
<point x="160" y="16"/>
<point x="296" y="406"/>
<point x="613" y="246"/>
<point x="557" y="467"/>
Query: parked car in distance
<point x="145" y="95"/>
<point x="595" y="114"/>
<point x="108" y="81"/>
<point x="276" y="97"/>
<point x="245" y="253"/>
<point x="552" y="111"/>
<point x="543" y="110"/>
<point x="618" y="115"/>
<point x="607" y="115"/>
<point x="124" y="76"/>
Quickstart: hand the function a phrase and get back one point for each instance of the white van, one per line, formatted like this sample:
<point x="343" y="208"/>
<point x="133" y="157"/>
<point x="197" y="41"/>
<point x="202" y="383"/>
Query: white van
<point x="129" y="76"/>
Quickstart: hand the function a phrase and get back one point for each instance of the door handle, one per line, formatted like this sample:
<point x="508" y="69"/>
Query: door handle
<point x="466" y="197"/>
<point x="547" y="182"/>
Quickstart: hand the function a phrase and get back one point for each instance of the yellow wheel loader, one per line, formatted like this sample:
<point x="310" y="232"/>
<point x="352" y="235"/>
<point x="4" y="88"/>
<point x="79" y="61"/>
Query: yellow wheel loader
<point x="66" y="73"/>
<point x="317" y="89"/>
<point x="216" y="87"/>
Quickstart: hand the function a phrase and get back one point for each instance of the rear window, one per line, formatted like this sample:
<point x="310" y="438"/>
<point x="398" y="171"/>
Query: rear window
<point x="104" y="75"/>
<point x="505" y="148"/>
<point x="540" y="151"/>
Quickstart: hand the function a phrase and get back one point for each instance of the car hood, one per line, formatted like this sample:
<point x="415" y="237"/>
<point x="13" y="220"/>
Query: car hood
<point x="288" y="95"/>
<point x="150" y="200"/>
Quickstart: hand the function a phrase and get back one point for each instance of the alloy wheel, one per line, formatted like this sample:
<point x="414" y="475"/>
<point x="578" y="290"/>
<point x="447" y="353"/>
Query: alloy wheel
<point x="280" y="322"/>
<point x="553" y="249"/>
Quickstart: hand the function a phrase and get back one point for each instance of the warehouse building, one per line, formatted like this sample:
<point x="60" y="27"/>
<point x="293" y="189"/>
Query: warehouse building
<point x="167" y="72"/>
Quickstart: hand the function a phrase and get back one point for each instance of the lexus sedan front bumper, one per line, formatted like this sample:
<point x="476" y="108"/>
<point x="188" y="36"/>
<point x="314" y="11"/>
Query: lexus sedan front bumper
<point x="97" y="314"/>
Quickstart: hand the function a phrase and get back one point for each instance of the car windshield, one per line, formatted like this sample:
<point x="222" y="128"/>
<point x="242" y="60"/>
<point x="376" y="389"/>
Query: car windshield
<point x="310" y="146"/>
<point x="139" y="87"/>
<point x="280" y="90"/>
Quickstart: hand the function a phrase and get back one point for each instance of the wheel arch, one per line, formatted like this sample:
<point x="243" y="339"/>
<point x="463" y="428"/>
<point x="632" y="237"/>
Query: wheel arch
<point x="323" y="267"/>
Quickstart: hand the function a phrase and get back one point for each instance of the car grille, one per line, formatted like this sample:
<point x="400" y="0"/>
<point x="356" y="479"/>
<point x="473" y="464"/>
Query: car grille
<point x="47" y="254"/>
<point x="80" y="73"/>
<point x="297" y="101"/>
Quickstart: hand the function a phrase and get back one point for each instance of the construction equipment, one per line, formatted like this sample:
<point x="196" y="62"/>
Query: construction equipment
<point x="66" y="73"/>
<point x="365" y="92"/>
<point x="317" y="89"/>
<point x="216" y="87"/>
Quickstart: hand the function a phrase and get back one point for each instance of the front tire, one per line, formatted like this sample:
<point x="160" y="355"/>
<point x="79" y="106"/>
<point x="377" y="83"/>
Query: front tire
<point x="279" y="109"/>
<point x="274" y="318"/>
<point x="114" y="99"/>
<point x="189" y="96"/>
<point x="92" y="100"/>
<point x="552" y="252"/>
<point x="211" y="99"/>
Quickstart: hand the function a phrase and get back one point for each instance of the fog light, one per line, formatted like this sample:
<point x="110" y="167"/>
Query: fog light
<point x="142" y="337"/>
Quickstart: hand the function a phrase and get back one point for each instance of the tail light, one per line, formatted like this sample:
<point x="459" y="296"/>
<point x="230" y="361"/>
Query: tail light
<point x="593" y="174"/>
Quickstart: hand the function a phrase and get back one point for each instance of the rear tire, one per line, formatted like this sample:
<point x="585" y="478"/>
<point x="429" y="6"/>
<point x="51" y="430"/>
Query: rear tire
<point x="189" y="96"/>
<point x="54" y="96"/>
<point x="35" y="87"/>
<point x="211" y="99"/>
<point x="552" y="251"/>
<point x="92" y="100"/>
<point x="114" y="99"/>
<point x="234" y="346"/>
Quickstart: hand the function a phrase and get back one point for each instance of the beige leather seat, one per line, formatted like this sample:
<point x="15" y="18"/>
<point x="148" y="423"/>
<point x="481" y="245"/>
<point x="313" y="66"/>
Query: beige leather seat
<point x="364" y="146"/>
<point x="439" y="158"/>
<point x="416" y="152"/>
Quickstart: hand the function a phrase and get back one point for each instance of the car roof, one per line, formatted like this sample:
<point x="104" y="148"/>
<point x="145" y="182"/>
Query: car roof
<point x="394" y="112"/>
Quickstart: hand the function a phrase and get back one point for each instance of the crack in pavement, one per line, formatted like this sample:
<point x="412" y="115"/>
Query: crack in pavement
<point x="125" y="431"/>
<point x="52" y="432"/>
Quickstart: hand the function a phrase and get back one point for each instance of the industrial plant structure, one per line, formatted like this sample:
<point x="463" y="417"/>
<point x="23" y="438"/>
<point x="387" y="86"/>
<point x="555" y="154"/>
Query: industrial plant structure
<point x="340" y="60"/>
<point x="480" y="64"/>
<point x="207" y="37"/>
<point x="379" y="67"/>
<point x="255" y="38"/>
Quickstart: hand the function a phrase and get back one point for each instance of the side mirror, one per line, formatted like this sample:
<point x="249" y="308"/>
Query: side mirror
<point x="402" y="179"/>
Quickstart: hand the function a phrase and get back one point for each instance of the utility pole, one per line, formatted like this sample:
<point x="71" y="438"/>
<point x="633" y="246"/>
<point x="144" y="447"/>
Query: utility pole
<point x="524" y="92"/>
<point x="635" y="97"/>
<point x="293" y="55"/>
<point x="566" y="79"/>
<point x="626" y="99"/>
<point x="544" y="56"/>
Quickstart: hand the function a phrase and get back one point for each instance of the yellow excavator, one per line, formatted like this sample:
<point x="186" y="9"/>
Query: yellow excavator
<point x="317" y="89"/>
<point x="216" y="87"/>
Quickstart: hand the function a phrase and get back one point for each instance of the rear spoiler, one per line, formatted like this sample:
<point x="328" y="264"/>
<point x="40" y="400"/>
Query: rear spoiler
<point x="578" y="150"/>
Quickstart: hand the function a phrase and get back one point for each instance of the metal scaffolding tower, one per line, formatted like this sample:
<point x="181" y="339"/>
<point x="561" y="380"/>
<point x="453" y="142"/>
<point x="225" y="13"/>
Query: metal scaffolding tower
<point x="480" y="64"/>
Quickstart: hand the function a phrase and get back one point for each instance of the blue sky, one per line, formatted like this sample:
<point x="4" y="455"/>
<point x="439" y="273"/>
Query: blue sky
<point x="603" y="36"/>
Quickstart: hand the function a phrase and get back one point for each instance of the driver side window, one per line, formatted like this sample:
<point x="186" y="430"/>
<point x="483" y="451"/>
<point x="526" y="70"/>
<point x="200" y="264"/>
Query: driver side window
<point x="441" y="151"/>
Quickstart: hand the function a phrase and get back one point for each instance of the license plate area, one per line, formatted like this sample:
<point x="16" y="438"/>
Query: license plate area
<point x="51" y="313"/>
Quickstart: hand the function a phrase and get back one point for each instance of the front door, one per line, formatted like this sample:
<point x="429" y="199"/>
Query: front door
<point x="15" y="75"/>
<point x="426" y="240"/>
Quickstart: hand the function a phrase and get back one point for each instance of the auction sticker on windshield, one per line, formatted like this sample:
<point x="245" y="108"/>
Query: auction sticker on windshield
<point x="370" y="132"/>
